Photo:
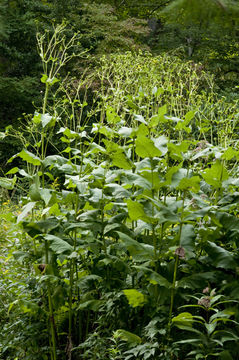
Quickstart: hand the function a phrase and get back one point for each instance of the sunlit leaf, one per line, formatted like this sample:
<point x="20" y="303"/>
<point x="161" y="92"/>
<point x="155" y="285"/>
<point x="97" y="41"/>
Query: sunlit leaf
<point x="134" y="297"/>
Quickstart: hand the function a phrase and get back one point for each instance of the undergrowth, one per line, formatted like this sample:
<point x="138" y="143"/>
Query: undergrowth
<point x="124" y="244"/>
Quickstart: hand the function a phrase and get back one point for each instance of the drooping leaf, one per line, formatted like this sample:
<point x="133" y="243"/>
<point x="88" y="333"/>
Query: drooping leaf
<point x="219" y="256"/>
<point x="25" y="210"/>
<point x="58" y="245"/>
<point x="153" y="277"/>
<point x="8" y="183"/>
<point x="93" y="305"/>
<point x="127" y="336"/>
<point x="136" y="211"/>
<point x="136" y="249"/>
<point x="183" y="319"/>
<point x="29" y="157"/>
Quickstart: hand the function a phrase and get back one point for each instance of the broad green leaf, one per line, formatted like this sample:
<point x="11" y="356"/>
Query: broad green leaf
<point x="125" y="131"/>
<point x="219" y="256"/>
<point x="189" y="116"/>
<point x="54" y="160"/>
<point x="120" y="160"/>
<point x="162" y="111"/>
<point x="25" y="174"/>
<point x="192" y="184"/>
<point x="117" y="155"/>
<point x="154" y="121"/>
<point x="70" y="134"/>
<point x="136" y="211"/>
<point x="225" y="354"/>
<point x="145" y="147"/>
<point x="58" y="245"/>
<point x="184" y="319"/>
<point x="135" y="248"/>
<point x="153" y="277"/>
<point x="46" y="195"/>
<point x="34" y="192"/>
<point x="28" y="306"/>
<point x="134" y="297"/>
<point x="210" y="327"/>
<point x="170" y="174"/>
<point x="55" y="210"/>
<point x="229" y="154"/>
<point x="13" y="171"/>
<point x="127" y="336"/>
<point x="176" y="151"/>
<point x="93" y="305"/>
<point x="47" y="120"/>
<point x="2" y="135"/>
<point x="25" y="211"/>
<point x="29" y="157"/>
<point x="216" y="174"/>
<point x="187" y="240"/>
<point x="161" y="144"/>
<point x="140" y="118"/>
<point x="8" y="183"/>
<point x="111" y="116"/>
<point x="197" y="280"/>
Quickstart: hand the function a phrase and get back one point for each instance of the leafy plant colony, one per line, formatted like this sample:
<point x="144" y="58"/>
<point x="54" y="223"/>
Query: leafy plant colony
<point x="124" y="241"/>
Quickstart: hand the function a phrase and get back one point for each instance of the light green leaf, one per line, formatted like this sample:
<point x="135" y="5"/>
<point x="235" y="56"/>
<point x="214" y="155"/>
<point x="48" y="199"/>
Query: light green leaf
<point x="12" y="171"/>
<point x="192" y="183"/>
<point x="184" y="319"/>
<point x="47" y="119"/>
<point x="2" y="135"/>
<point x="127" y="336"/>
<point x="134" y="297"/>
<point x="111" y="116"/>
<point x="136" y="211"/>
<point x="210" y="327"/>
<point x="46" y="195"/>
<point x="8" y="183"/>
<point x="216" y="174"/>
<point x="25" y="210"/>
<point x="230" y="153"/>
<point x="162" y="111"/>
<point x="54" y="210"/>
<point x="145" y="147"/>
<point x="44" y="78"/>
<point x="29" y="157"/>
<point x="140" y="118"/>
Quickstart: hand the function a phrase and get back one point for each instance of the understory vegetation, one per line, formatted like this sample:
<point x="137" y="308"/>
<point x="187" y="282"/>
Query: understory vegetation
<point x="119" y="217"/>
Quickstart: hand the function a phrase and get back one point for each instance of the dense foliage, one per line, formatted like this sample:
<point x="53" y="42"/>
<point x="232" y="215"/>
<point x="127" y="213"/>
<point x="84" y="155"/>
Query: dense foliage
<point x="124" y="241"/>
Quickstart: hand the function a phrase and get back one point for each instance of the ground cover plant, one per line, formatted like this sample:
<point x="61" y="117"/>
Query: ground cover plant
<point x="124" y="243"/>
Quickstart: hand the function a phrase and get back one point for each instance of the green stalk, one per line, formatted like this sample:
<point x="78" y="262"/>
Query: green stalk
<point x="50" y="304"/>
<point x="72" y="268"/>
<point x="176" y="265"/>
<point x="153" y="225"/>
<point x="173" y="290"/>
